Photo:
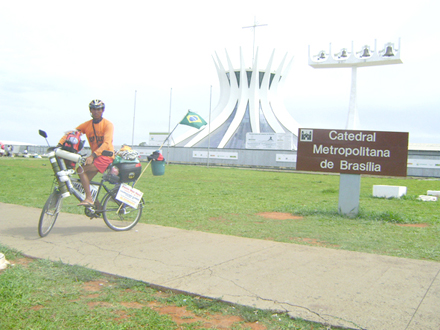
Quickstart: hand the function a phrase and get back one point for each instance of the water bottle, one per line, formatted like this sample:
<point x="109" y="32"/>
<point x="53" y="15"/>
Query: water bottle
<point x="56" y="169"/>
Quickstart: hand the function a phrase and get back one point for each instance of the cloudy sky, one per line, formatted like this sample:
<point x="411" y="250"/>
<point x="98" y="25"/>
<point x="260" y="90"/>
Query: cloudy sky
<point x="56" y="56"/>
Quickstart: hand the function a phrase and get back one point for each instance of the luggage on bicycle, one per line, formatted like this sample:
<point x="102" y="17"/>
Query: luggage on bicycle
<point x="72" y="142"/>
<point x="129" y="170"/>
<point x="126" y="166"/>
<point x="124" y="170"/>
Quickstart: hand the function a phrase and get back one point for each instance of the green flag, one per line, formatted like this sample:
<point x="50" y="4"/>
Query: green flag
<point x="194" y="120"/>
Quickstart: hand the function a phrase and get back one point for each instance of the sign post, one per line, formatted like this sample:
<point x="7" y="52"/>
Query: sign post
<point x="349" y="192"/>
<point x="352" y="153"/>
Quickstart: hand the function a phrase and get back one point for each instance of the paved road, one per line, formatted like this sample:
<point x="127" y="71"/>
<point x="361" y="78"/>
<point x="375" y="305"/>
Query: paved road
<point x="340" y="288"/>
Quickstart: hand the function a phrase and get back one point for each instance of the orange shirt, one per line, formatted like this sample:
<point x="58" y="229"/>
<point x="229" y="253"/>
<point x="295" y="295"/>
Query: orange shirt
<point x="102" y="140"/>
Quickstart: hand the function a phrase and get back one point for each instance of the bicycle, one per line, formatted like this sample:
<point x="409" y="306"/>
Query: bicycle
<point x="121" y="207"/>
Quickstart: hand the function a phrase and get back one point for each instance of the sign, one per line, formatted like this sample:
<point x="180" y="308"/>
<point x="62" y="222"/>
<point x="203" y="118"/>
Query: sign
<point x="274" y="141"/>
<point x="216" y="154"/>
<point x="129" y="195"/>
<point x="157" y="139"/>
<point x="352" y="152"/>
<point x="285" y="158"/>
<point x="424" y="163"/>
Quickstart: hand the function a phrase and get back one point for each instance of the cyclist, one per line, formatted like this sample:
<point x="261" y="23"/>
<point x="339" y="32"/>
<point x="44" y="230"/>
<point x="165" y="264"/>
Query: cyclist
<point x="99" y="132"/>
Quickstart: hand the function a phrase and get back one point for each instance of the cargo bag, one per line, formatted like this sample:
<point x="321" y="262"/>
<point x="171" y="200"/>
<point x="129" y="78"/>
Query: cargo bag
<point x="129" y="170"/>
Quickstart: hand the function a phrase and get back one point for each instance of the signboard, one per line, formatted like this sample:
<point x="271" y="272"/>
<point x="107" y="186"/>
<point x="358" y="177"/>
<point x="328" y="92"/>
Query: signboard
<point x="424" y="163"/>
<point x="274" y="141"/>
<point x="128" y="195"/>
<point x="157" y="139"/>
<point x="216" y="154"/>
<point x="285" y="158"/>
<point x="352" y="152"/>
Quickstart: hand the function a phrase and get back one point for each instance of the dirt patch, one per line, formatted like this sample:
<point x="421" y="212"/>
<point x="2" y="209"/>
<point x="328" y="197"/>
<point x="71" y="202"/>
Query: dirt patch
<point x="22" y="261"/>
<point x="94" y="286"/>
<point x="180" y="315"/>
<point x="279" y="216"/>
<point x="314" y="241"/>
<point x="219" y="219"/>
<point x="416" y="225"/>
<point x="132" y="304"/>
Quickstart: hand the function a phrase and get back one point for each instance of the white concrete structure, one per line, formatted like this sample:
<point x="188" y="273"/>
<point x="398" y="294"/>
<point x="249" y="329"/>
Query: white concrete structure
<point x="248" y="102"/>
<point x="388" y="191"/>
<point x="344" y="59"/>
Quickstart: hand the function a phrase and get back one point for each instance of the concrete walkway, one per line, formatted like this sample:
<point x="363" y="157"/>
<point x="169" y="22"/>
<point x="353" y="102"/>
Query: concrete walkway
<point x="336" y="287"/>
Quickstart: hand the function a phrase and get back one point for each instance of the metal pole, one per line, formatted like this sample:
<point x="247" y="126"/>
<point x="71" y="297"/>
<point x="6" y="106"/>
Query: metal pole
<point x="353" y="118"/>
<point x="209" y="124"/>
<point x="134" y="118"/>
<point x="169" y="125"/>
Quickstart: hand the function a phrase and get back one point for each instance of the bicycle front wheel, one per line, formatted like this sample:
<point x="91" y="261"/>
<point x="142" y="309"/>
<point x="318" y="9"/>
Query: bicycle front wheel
<point x="49" y="214"/>
<point x="119" y="216"/>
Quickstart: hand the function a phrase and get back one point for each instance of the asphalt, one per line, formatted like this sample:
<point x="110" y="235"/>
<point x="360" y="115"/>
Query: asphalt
<point x="334" y="287"/>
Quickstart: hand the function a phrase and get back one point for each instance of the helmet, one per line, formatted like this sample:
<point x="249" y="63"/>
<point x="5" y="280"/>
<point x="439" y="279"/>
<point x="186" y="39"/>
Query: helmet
<point x="96" y="104"/>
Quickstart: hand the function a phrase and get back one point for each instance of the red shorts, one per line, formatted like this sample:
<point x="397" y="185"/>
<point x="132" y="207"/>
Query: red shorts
<point x="102" y="162"/>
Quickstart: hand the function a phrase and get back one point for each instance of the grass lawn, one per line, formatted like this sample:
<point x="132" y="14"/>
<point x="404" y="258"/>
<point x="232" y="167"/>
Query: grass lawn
<point x="231" y="201"/>
<point x="296" y="208"/>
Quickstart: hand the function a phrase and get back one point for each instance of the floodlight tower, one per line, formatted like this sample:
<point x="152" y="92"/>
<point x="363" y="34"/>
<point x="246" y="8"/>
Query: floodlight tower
<point x="344" y="59"/>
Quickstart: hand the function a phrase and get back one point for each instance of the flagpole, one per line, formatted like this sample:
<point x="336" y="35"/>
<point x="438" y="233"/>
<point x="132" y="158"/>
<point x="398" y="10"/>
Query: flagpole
<point x="169" y="135"/>
<point x="169" y="124"/>
<point x="134" y="118"/>
<point x="152" y="160"/>
<point x="161" y="147"/>
<point x="209" y="124"/>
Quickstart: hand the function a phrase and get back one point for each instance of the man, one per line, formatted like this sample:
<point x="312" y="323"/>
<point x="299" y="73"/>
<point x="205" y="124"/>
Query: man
<point x="99" y="132"/>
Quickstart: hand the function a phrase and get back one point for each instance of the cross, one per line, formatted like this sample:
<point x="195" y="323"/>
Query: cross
<point x="254" y="27"/>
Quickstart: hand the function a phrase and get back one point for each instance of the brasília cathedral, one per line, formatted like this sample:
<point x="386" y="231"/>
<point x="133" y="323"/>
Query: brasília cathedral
<point x="249" y="102"/>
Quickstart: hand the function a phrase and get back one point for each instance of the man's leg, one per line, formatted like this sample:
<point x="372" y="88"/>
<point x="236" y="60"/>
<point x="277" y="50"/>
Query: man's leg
<point x="86" y="175"/>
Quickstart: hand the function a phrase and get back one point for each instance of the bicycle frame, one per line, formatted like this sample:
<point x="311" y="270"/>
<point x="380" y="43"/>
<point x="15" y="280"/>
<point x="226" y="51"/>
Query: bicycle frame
<point x="74" y="185"/>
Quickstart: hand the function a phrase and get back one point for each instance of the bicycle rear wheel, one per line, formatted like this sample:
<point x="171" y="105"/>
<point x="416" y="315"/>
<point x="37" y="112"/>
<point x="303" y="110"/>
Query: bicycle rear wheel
<point x="49" y="214"/>
<point x="119" y="216"/>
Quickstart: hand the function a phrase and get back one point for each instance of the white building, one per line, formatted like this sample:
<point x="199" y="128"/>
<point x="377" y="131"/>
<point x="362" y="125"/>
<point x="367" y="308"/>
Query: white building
<point x="248" y="103"/>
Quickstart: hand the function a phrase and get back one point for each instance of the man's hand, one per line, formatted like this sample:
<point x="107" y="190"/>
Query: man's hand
<point x="89" y="160"/>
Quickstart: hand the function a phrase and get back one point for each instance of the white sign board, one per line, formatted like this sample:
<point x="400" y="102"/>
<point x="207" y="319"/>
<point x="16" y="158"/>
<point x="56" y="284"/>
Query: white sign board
<point x="129" y="195"/>
<point x="286" y="158"/>
<point x="424" y="163"/>
<point x="157" y="139"/>
<point x="216" y="154"/>
<point x="273" y="141"/>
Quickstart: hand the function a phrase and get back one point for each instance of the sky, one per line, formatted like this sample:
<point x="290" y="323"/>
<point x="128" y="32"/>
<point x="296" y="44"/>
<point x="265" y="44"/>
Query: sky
<point x="152" y="61"/>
